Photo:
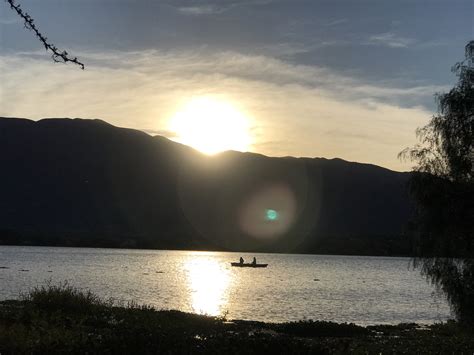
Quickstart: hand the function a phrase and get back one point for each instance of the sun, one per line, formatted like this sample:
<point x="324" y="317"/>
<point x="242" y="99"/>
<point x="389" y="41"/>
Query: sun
<point x="211" y="125"/>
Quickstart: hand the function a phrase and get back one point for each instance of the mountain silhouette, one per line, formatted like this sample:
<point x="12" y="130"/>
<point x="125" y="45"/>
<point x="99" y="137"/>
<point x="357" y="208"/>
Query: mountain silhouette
<point x="77" y="182"/>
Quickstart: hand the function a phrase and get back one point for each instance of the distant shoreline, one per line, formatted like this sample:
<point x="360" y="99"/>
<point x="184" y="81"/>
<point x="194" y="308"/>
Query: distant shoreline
<point x="202" y="250"/>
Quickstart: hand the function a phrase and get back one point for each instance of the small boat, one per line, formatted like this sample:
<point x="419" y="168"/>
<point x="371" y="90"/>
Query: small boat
<point x="248" y="265"/>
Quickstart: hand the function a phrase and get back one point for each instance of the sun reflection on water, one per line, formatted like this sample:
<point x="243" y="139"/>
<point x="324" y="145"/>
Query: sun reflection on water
<point x="208" y="282"/>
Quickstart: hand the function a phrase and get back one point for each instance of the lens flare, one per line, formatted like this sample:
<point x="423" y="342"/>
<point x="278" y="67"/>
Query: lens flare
<point x="260" y="221"/>
<point x="272" y="215"/>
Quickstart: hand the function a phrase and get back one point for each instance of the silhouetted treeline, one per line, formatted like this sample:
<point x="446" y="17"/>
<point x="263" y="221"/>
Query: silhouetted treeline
<point x="340" y="245"/>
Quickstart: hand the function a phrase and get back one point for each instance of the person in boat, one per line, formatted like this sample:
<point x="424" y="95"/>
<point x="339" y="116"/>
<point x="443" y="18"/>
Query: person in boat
<point x="241" y="260"/>
<point x="254" y="261"/>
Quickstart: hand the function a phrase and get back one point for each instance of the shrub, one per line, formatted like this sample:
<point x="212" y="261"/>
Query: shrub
<point x="64" y="297"/>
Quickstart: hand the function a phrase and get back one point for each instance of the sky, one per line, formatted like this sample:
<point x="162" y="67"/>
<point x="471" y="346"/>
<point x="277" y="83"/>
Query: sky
<point x="340" y="78"/>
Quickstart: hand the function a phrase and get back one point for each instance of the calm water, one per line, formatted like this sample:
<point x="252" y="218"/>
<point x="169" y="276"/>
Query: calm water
<point x="364" y="290"/>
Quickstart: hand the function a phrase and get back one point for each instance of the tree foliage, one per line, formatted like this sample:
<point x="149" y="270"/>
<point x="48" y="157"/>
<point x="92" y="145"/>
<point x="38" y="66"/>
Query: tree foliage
<point x="442" y="186"/>
<point x="58" y="55"/>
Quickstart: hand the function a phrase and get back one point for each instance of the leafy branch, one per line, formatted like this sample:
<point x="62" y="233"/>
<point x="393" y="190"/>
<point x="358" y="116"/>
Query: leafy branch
<point x="58" y="55"/>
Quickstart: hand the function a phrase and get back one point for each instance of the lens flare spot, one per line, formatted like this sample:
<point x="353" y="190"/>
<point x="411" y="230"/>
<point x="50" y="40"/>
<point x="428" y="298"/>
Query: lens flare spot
<point x="272" y="215"/>
<point x="259" y="221"/>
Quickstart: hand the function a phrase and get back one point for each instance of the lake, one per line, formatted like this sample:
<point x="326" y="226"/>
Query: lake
<point x="360" y="289"/>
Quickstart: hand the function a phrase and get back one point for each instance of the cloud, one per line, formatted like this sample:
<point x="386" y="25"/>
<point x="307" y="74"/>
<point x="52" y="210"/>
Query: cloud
<point x="161" y="132"/>
<point x="206" y="9"/>
<point x="285" y="49"/>
<point x="335" y="22"/>
<point x="392" y="40"/>
<point x="293" y="109"/>
<point x="209" y="7"/>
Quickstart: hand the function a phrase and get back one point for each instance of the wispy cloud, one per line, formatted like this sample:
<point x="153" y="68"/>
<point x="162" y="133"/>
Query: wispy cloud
<point x="160" y="132"/>
<point x="213" y="7"/>
<point x="391" y="39"/>
<point x="335" y="22"/>
<point x="285" y="49"/>
<point x="206" y="9"/>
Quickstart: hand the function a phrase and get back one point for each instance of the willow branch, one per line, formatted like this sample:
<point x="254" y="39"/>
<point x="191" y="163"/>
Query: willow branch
<point x="58" y="56"/>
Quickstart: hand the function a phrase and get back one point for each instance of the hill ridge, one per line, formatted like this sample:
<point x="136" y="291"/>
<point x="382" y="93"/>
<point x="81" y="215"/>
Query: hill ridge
<point x="89" y="183"/>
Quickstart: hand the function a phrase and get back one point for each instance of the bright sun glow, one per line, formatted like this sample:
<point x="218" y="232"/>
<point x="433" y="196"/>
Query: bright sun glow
<point x="211" y="126"/>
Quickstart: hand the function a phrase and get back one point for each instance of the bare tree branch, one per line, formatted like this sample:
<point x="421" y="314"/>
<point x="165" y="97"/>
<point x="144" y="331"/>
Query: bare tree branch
<point x="58" y="56"/>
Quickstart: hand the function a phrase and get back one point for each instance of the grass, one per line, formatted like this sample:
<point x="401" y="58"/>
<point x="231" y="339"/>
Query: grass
<point x="61" y="297"/>
<point x="62" y="319"/>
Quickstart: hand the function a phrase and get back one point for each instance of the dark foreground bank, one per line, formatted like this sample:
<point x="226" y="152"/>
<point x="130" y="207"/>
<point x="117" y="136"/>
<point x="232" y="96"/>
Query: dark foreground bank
<point x="61" y="319"/>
